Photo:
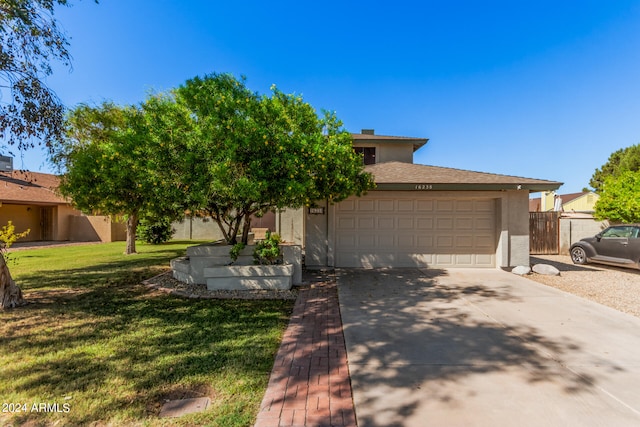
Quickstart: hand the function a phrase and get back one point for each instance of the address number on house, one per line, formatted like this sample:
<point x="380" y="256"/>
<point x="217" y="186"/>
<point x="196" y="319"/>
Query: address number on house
<point x="424" y="187"/>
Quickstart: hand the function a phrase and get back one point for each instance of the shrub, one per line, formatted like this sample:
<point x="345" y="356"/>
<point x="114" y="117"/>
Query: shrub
<point x="267" y="251"/>
<point x="155" y="231"/>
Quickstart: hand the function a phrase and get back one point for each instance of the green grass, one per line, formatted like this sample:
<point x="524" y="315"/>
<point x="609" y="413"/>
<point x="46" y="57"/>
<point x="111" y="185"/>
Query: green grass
<point x="96" y="342"/>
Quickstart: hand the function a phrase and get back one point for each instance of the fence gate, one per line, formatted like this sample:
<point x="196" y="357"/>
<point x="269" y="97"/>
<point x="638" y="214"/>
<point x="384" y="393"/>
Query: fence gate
<point x="544" y="233"/>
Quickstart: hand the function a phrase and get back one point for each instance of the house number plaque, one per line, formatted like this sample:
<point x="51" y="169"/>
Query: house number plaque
<point x="316" y="211"/>
<point x="424" y="187"/>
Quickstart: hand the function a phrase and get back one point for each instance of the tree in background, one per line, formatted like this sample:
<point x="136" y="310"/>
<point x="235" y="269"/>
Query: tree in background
<point x="106" y="158"/>
<point x="625" y="159"/>
<point x="248" y="153"/>
<point x="620" y="198"/>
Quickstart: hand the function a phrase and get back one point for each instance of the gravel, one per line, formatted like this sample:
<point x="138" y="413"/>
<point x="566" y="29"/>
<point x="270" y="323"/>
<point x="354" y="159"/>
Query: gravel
<point x="166" y="283"/>
<point x="618" y="288"/>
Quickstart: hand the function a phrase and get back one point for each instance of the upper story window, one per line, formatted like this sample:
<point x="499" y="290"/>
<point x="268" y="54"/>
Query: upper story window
<point x="369" y="154"/>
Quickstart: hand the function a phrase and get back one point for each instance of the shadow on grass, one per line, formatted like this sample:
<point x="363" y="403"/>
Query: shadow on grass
<point x="417" y="336"/>
<point x="97" y="335"/>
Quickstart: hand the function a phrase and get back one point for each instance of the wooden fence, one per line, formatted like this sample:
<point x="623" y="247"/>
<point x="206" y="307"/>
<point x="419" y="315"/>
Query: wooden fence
<point x="544" y="233"/>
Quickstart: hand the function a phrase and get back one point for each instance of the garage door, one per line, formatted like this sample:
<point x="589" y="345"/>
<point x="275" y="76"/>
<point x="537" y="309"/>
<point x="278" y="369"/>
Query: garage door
<point x="394" y="231"/>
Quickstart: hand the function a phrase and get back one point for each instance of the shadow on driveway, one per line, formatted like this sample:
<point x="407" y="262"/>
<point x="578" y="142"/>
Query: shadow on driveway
<point x="438" y="347"/>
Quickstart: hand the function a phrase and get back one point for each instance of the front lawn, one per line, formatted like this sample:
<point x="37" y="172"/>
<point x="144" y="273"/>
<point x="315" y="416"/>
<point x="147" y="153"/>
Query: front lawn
<point x="94" y="347"/>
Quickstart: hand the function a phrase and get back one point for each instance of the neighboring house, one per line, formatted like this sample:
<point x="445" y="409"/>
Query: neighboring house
<point x="29" y="200"/>
<point x="575" y="202"/>
<point x="418" y="215"/>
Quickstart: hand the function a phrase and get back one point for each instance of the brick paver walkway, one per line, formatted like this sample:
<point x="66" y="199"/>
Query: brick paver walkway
<point x="309" y="383"/>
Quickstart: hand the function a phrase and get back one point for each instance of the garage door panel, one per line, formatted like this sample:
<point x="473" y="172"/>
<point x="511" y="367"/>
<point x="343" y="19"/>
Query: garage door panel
<point x="405" y="205"/>
<point x="366" y="223"/>
<point x="367" y="240"/>
<point x="424" y="205"/>
<point x="346" y="223"/>
<point x="385" y="241"/>
<point x="464" y="223"/>
<point x="424" y="224"/>
<point x="420" y="231"/>
<point x="386" y="223"/>
<point x="406" y="242"/>
<point x="444" y="223"/>
<point x="386" y="205"/>
<point x="366" y="205"/>
<point x="444" y="206"/>
<point x="464" y="206"/>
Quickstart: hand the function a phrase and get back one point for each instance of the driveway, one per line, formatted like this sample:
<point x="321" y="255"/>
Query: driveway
<point x="472" y="347"/>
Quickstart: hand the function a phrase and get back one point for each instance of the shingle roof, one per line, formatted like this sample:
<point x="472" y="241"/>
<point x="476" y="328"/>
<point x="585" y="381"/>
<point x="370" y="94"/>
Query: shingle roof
<point x="29" y="187"/>
<point x="403" y="175"/>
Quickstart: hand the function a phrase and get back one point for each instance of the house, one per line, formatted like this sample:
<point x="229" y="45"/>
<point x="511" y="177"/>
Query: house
<point x="417" y="215"/>
<point x="575" y="202"/>
<point x="30" y="201"/>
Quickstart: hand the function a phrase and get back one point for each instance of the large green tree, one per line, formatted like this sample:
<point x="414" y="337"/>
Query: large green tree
<point x="109" y="161"/>
<point x="620" y="198"/>
<point x="250" y="153"/>
<point x="625" y="159"/>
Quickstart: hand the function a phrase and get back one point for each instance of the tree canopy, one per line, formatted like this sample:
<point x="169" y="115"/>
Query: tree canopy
<point x="109" y="161"/>
<point x="256" y="152"/>
<point x="620" y="198"/>
<point x="625" y="159"/>
<point x="30" y="40"/>
<point x="213" y="146"/>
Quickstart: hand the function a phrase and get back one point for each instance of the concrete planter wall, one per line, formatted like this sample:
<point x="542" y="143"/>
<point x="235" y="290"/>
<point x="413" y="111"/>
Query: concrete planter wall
<point x="210" y="258"/>
<point x="247" y="277"/>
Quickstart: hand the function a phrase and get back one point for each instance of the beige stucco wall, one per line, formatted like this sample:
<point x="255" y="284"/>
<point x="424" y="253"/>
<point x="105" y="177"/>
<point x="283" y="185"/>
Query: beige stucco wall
<point x="290" y="225"/>
<point x="23" y="217"/>
<point x="316" y="233"/>
<point x="388" y="152"/>
<point x="95" y="228"/>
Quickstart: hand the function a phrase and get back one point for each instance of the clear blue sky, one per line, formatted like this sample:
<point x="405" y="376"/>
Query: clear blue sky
<point x="540" y="89"/>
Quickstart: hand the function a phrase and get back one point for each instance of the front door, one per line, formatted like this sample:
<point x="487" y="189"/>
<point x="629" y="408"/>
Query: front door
<point x="46" y="223"/>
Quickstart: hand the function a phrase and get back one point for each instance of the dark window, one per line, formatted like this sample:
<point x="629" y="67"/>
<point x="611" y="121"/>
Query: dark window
<point x="369" y="154"/>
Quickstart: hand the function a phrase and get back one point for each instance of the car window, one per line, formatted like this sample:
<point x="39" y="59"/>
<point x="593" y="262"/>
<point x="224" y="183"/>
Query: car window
<point x="617" y="232"/>
<point x="635" y="233"/>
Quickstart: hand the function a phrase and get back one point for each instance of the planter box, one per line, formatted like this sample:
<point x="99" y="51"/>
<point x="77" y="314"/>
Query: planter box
<point x="190" y="269"/>
<point x="247" y="277"/>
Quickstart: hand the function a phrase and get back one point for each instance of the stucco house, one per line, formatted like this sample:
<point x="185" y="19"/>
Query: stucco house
<point x="574" y="202"/>
<point x="30" y="201"/>
<point x="417" y="215"/>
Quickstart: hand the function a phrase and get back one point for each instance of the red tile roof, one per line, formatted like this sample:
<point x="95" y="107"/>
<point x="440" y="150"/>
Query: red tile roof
<point x="30" y="187"/>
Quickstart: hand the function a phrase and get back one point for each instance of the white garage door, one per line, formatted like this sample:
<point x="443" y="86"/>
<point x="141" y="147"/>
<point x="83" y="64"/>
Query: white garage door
<point x="406" y="231"/>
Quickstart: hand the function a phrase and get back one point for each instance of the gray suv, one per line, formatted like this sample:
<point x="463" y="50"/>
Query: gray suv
<point x="617" y="245"/>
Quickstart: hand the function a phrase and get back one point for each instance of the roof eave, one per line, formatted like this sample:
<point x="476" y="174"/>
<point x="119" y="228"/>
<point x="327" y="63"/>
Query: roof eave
<point x="529" y="187"/>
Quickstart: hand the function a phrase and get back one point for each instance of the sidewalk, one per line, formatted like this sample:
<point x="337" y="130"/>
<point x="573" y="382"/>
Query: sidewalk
<point x="309" y="383"/>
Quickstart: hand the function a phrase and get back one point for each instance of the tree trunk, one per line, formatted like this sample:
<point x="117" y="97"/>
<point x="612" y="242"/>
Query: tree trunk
<point x="246" y="228"/>
<point x="10" y="293"/>
<point x="132" y="224"/>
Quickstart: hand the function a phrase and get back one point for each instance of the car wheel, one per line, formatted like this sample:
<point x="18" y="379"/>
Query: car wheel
<point x="578" y="255"/>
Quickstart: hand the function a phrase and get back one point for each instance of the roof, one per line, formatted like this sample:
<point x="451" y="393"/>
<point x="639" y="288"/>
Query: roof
<point x="410" y="176"/>
<point x="372" y="138"/>
<point x="30" y="187"/>
<point x="566" y="198"/>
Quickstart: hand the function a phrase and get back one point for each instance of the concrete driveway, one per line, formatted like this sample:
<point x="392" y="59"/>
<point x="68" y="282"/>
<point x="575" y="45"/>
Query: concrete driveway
<point x="472" y="347"/>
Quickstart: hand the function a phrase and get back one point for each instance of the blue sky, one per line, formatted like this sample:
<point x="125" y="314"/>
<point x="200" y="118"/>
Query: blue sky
<point x="544" y="89"/>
